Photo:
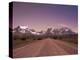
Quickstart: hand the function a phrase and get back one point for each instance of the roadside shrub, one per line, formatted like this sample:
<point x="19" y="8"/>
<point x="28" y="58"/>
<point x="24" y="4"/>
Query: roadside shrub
<point x="16" y="37"/>
<point x="23" y="38"/>
<point x="54" y="37"/>
<point x="39" y="38"/>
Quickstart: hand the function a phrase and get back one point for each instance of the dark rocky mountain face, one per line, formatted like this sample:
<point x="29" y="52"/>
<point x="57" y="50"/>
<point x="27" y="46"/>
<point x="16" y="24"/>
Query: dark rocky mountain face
<point x="66" y="30"/>
<point x="63" y="31"/>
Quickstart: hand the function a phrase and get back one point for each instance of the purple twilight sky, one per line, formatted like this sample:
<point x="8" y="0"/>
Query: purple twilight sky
<point x="42" y="16"/>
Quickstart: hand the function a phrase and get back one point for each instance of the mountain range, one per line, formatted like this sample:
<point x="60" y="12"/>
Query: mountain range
<point x="56" y="31"/>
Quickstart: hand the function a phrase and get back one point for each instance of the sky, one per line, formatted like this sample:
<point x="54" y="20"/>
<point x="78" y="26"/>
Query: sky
<point x="42" y="16"/>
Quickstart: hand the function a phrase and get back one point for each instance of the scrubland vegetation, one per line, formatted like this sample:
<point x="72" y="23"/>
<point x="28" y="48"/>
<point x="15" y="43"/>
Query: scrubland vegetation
<point x="21" y="39"/>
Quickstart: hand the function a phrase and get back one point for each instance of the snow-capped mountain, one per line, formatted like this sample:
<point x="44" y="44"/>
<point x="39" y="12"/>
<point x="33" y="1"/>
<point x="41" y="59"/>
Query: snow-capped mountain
<point x="50" y="31"/>
<point x="63" y="31"/>
<point x="25" y="29"/>
<point x="21" y="29"/>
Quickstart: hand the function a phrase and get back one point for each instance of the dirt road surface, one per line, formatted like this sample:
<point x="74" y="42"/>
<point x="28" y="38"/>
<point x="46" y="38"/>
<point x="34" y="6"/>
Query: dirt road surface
<point x="46" y="47"/>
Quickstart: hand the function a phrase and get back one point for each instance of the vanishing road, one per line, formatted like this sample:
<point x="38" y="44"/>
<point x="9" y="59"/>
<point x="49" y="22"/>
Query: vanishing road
<point x="46" y="47"/>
